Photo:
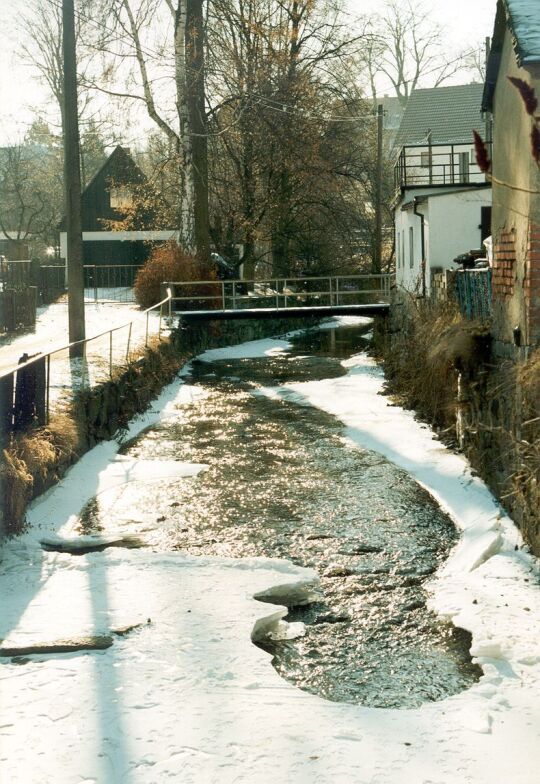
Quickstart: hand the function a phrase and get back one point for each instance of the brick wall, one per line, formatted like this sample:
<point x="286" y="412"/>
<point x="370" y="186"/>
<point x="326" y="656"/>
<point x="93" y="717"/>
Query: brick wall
<point x="504" y="263"/>
<point x="532" y="283"/>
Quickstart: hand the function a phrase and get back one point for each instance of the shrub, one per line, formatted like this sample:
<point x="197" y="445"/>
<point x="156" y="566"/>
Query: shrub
<point x="168" y="262"/>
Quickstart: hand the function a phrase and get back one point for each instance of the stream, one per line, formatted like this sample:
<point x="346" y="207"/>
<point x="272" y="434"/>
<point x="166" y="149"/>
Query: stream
<point x="284" y="482"/>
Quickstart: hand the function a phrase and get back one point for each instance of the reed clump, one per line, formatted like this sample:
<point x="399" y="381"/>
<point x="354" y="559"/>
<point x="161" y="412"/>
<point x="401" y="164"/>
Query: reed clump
<point x="423" y="365"/>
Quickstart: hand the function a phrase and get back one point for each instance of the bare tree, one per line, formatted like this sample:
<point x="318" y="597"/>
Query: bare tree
<point x="280" y="69"/>
<point x="407" y="47"/>
<point x="140" y="71"/>
<point x="31" y="187"/>
<point x="41" y="28"/>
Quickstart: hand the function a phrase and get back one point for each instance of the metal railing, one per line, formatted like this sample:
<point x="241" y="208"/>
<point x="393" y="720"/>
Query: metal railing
<point x="281" y="293"/>
<point x="102" y="282"/>
<point x="29" y="391"/>
<point x="436" y="164"/>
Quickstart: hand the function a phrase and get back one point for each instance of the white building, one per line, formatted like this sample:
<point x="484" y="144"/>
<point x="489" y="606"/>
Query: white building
<point x="443" y="202"/>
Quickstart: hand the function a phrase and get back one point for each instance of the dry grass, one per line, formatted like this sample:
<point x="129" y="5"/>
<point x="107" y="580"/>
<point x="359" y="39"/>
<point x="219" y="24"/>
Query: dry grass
<point x="33" y="461"/>
<point x="526" y="480"/>
<point x="422" y="368"/>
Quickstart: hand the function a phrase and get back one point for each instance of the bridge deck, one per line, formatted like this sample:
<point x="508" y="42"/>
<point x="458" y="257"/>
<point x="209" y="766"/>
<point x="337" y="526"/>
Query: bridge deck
<point x="317" y="311"/>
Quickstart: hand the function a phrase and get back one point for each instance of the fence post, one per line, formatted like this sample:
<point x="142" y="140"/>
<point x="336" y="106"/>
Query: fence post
<point x="110" y="353"/>
<point x="94" y="272"/>
<point x="129" y="337"/>
<point x="6" y="404"/>
<point x="48" y="388"/>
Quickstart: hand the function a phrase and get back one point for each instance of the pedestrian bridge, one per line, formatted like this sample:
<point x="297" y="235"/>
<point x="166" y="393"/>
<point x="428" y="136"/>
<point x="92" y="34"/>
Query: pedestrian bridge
<point x="365" y="295"/>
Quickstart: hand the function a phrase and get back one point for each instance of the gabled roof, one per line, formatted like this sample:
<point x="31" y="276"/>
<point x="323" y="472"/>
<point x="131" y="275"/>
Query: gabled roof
<point x="120" y="168"/>
<point x="450" y="113"/>
<point x="522" y="19"/>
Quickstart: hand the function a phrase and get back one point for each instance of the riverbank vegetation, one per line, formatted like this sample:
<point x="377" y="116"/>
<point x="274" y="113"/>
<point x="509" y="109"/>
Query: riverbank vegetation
<point x="440" y="365"/>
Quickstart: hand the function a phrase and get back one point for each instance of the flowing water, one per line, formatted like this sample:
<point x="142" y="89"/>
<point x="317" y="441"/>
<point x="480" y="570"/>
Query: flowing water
<point x="283" y="482"/>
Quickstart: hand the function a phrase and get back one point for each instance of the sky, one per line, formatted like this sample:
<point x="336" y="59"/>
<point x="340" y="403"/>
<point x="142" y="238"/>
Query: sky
<point x="464" y="21"/>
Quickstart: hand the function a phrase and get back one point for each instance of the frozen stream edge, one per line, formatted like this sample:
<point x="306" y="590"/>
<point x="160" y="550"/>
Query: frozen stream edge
<point x="235" y="719"/>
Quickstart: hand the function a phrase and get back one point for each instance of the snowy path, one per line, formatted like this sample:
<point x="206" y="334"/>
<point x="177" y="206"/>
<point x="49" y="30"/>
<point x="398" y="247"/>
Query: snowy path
<point x="188" y="697"/>
<point x="51" y="330"/>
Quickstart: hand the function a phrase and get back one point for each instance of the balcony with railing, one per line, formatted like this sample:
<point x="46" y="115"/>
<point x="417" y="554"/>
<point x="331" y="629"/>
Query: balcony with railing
<point x="425" y="165"/>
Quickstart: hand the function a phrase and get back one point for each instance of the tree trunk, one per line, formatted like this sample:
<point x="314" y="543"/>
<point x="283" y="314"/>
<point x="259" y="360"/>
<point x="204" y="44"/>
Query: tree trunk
<point x="189" y="58"/>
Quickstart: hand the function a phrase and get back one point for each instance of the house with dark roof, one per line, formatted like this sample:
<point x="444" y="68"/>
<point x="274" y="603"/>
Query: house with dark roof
<point x="106" y="200"/>
<point x="443" y="202"/>
<point x="515" y="53"/>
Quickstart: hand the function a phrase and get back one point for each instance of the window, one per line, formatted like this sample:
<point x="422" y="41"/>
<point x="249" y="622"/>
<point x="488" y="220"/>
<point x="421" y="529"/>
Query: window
<point x="403" y="247"/>
<point x="425" y="159"/>
<point x="398" y="249"/>
<point x="121" y="197"/>
<point x="411" y="247"/>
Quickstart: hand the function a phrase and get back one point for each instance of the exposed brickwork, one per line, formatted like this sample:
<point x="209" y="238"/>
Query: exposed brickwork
<point x="531" y="283"/>
<point x="504" y="262"/>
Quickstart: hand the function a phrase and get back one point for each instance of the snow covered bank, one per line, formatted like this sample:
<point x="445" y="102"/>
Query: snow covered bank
<point x="187" y="697"/>
<point x="51" y="330"/>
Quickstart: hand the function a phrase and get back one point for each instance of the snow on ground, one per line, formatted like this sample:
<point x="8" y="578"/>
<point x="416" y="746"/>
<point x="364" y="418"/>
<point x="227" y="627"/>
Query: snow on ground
<point x="187" y="697"/>
<point x="52" y="332"/>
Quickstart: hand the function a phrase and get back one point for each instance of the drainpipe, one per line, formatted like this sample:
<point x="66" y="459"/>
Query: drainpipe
<point x="423" y="244"/>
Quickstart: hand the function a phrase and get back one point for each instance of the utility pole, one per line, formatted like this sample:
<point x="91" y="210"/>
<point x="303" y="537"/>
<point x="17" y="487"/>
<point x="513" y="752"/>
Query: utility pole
<point x="196" y="111"/>
<point x="72" y="182"/>
<point x="377" y="245"/>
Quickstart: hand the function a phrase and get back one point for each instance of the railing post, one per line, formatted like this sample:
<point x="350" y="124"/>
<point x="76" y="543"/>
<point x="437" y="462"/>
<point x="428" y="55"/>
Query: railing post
<point x="129" y="339"/>
<point x="234" y="295"/>
<point x="285" y="293"/>
<point x="84" y="366"/>
<point x="277" y="294"/>
<point x="95" y="284"/>
<point x="47" y="389"/>
<point x="222" y="295"/>
<point x="110" y="353"/>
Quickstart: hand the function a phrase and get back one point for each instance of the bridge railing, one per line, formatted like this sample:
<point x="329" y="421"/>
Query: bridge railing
<point x="280" y="293"/>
